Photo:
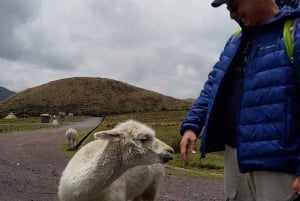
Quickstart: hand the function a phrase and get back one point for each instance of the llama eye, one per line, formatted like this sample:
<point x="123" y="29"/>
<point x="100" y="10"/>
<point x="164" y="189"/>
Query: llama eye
<point x="144" y="139"/>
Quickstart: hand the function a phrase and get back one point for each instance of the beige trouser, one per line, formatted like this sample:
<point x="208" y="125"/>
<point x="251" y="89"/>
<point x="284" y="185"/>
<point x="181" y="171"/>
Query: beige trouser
<point x="254" y="186"/>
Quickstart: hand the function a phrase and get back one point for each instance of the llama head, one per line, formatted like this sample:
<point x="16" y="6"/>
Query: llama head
<point x="137" y="143"/>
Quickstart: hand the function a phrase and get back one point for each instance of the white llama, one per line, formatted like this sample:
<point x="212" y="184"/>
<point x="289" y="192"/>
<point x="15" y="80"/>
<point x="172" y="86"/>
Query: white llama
<point x="122" y="164"/>
<point x="71" y="135"/>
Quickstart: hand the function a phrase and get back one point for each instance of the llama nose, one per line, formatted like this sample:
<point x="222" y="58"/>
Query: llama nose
<point x="170" y="153"/>
<point x="170" y="150"/>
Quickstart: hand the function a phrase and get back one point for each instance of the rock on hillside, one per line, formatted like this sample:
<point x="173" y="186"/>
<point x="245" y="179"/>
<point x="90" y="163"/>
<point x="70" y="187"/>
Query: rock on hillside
<point x="88" y="96"/>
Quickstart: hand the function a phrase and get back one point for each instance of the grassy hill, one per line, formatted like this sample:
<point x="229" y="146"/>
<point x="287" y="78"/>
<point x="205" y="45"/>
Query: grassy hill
<point x="88" y="96"/>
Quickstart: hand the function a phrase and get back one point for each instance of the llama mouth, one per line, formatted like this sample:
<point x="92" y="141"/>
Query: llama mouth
<point x="167" y="157"/>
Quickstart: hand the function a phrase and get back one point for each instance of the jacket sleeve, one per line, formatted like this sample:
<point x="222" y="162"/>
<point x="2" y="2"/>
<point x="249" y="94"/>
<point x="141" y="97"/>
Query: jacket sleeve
<point x="195" y="118"/>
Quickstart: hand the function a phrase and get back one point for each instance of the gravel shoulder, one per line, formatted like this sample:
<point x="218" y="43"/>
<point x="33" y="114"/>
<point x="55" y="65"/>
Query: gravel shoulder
<point x="31" y="165"/>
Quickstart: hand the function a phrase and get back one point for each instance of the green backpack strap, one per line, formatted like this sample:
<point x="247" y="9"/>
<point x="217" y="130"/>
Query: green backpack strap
<point x="288" y="38"/>
<point x="236" y="33"/>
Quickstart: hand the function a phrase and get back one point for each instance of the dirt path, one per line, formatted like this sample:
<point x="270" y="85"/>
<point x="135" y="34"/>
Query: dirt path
<point x="31" y="164"/>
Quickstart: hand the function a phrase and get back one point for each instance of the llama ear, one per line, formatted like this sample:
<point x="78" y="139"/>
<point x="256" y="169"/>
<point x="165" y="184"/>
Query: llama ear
<point x="106" y="135"/>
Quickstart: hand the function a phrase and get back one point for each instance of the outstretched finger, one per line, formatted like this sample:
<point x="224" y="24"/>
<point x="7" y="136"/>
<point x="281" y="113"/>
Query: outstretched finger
<point x="183" y="151"/>
<point x="193" y="146"/>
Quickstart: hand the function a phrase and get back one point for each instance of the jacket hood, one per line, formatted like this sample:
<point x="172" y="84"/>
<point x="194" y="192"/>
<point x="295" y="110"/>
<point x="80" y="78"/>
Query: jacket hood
<point x="290" y="3"/>
<point x="286" y="11"/>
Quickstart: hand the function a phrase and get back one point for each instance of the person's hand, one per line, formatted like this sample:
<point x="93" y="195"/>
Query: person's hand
<point x="188" y="139"/>
<point x="296" y="185"/>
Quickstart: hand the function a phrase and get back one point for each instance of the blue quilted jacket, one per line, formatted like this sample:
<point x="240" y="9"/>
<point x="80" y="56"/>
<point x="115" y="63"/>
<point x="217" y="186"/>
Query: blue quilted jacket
<point x="269" y="118"/>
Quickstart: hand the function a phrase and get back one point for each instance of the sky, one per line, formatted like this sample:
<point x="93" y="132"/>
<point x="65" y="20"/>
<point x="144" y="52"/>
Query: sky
<point x="166" y="46"/>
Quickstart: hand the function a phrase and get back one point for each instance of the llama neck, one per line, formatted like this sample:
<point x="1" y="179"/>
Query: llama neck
<point x="105" y="168"/>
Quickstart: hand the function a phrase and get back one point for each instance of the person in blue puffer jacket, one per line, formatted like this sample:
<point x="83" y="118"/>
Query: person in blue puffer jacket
<point x="250" y="105"/>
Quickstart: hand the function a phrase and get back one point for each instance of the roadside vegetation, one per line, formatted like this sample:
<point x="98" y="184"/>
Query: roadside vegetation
<point x="32" y="123"/>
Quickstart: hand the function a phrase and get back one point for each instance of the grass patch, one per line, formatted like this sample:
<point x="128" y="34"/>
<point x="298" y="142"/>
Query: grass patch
<point x="32" y="123"/>
<point x="81" y="134"/>
<point x="191" y="173"/>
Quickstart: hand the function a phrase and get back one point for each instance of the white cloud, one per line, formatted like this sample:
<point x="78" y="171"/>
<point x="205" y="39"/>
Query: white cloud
<point x="168" y="46"/>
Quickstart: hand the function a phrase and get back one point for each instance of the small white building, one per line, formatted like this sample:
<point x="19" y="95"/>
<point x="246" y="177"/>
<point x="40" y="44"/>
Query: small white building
<point x="10" y="116"/>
